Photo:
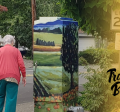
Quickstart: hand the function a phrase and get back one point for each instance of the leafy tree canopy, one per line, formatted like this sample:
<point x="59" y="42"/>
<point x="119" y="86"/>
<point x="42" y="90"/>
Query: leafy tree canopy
<point x="47" y="8"/>
<point x="92" y="15"/>
<point x="17" y="21"/>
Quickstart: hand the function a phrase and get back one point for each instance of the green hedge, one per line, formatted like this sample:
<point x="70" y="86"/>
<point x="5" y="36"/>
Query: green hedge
<point x="83" y="61"/>
<point x="114" y="56"/>
<point x="89" y="55"/>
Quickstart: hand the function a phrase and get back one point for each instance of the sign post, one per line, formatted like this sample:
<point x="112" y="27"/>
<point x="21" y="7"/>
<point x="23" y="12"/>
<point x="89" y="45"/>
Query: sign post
<point x="117" y="41"/>
<point x="115" y="25"/>
<point x="117" y="44"/>
<point x="115" y="20"/>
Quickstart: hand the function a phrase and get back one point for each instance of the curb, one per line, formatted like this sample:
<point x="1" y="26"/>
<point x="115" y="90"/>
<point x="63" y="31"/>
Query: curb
<point x="29" y="75"/>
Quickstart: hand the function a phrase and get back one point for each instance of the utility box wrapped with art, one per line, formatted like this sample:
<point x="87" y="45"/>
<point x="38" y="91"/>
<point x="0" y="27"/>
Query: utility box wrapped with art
<point x="55" y="58"/>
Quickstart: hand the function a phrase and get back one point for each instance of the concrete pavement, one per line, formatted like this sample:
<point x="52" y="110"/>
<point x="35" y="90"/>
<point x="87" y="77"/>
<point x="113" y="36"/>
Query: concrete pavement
<point x="25" y="102"/>
<point x="25" y="107"/>
<point x="25" y="94"/>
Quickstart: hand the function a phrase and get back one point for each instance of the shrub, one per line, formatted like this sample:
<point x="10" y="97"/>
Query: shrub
<point x="97" y="95"/>
<point x="111" y="45"/>
<point x="90" y="55"/>
<point x="82" y="61"/>
<point x="114" y="55"/>
<point x="29" y="55"/>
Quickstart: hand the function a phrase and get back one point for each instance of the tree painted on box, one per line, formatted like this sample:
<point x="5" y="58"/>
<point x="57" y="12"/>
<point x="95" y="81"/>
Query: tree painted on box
<point x="56" y="83"/>
<point x="70" y="50"/>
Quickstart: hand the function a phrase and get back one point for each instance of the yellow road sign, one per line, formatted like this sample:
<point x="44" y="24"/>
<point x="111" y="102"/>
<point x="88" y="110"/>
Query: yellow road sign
<point x="117" y="41"/>
<point x="115" y="19"/>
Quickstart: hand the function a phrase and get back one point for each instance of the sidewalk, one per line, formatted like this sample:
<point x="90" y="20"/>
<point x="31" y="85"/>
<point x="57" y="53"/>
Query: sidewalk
<point x="29" y="106"/>
<point x="28" y="63"/>
<point x="25" y="107"/>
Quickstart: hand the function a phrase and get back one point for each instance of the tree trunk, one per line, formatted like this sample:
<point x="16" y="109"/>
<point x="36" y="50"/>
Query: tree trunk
<point x="33" y="3"/>
<point x="72" y="81"/>
<point x="16" y="43"/>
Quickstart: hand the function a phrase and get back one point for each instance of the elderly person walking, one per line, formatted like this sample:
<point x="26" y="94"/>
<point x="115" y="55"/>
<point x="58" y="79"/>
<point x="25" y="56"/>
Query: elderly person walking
<point x="11" y="63"/>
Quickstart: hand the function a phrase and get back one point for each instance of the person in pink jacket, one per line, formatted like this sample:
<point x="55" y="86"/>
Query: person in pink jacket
<point x="11" y="63"/>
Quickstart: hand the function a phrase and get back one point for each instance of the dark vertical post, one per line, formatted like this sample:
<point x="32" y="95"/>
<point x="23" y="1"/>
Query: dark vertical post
<point x="33" y="5"/>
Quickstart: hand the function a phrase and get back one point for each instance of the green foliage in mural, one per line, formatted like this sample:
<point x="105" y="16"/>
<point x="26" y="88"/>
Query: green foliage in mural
<point x="52" y="79"/>
<point x="48" y="107"/>
<point x="46" y="59"/>
<point x="70" y="50"/>
<point x="57" y="38"/>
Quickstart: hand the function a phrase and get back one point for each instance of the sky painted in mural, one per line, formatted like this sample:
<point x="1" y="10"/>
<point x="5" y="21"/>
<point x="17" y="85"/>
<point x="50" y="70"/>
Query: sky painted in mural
<point x="53" y="24"/>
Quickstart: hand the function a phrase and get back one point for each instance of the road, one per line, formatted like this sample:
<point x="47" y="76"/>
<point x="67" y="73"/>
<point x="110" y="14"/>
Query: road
<point x="83" y="69"/>
<point x="82" y="80"/>
<point x="25" y="94"/>
<point x="25" y="102"/>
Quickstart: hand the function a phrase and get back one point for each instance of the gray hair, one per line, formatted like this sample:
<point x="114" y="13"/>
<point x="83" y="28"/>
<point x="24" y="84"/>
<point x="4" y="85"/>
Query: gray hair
<point x="8" y="39"/>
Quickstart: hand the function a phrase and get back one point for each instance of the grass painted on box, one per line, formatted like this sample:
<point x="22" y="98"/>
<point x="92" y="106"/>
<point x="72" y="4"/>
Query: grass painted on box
<point x="57" y="38"/>
<point x="49" y="107"/>
<point x="47" y="42"/>
<point x="52" y="79"/>
<point x="47" y="58"/>
<point x="52" y="84"/>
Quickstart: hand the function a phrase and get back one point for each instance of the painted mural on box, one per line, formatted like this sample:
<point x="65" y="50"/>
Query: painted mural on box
<point x="48" y="74"/>
<point x="55" y="65"/>
<point x="47" y="43"/>
<point x="70" y="61"/>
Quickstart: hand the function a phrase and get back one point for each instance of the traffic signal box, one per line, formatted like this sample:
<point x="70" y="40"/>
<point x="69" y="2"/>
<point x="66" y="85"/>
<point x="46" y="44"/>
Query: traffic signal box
<point x="55" y="54"/>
